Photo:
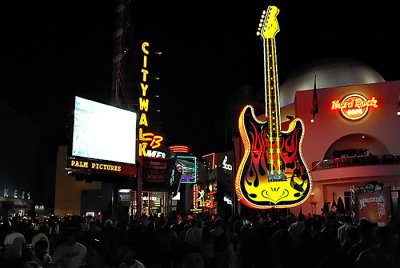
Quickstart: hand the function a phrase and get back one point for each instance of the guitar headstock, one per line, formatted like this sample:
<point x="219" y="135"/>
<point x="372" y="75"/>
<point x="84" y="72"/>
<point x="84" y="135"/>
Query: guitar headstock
<point x="268" y="26"/>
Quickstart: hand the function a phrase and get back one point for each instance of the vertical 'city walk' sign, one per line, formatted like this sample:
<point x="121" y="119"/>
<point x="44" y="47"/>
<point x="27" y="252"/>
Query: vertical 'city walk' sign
<point x="148" y="141"/>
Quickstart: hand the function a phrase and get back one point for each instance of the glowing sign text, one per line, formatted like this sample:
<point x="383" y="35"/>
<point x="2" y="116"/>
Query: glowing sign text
<point x="156" y="154"/>
<point x="15" y="194"/>
<point x="146" y="139"/>
<point x="92" y="165"/>
<point x="225" y="165"/>
<point x="354" y="106"/>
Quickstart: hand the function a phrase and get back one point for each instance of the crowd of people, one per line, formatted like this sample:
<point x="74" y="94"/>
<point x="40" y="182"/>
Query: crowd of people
<point x="180" y="240"/>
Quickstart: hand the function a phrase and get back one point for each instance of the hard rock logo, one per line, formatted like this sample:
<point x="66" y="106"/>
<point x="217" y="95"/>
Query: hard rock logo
<point x="354" y="106"/>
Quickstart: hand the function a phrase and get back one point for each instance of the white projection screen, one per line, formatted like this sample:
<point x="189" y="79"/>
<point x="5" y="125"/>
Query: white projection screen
<point x="103" y="132"/>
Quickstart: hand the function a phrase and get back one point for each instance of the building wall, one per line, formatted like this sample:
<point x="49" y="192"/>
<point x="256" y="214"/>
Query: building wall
<point x="381" y="125"/>
<point x="68" y="190"/>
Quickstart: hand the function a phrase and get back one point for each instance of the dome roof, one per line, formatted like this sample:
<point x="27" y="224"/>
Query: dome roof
<point x="331" y="72"/>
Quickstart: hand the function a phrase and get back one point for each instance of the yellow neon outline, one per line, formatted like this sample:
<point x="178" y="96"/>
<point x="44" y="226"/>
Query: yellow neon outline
<point x="359" y="117"/>
<point x="246" y="144"/>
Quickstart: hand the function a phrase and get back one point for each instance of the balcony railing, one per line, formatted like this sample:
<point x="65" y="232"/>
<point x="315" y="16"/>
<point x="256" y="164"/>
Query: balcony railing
<point x="351" y="161"/>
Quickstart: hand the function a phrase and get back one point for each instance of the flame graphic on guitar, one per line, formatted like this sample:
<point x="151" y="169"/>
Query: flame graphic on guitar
<point x="272" y="172"/>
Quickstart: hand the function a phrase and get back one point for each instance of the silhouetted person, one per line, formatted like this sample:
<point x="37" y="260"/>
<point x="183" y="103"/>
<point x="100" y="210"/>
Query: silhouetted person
<point x="14" y="243"/>
<point x="127" y="253"/>
<point x="41" y="235"/>
<point x="325" y="241"/>
<point x="70" y="253"/>
<point x="368" y="239"/>
<point x="39" y="256"/>
<point x="385" y="253"/>
<point x="284" y="253"/>
<point x="351" y="237"/>
<point x="192" y="258"/>
<point x="344" y="228"/>
<point x="296" y="228"/>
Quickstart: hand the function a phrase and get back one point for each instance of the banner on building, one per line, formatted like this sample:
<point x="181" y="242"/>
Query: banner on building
<point x="372" y="202"/>
<point x="156" y="171"/>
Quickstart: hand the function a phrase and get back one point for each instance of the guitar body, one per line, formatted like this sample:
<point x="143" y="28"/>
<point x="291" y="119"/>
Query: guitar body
<point x="272" y="173"/>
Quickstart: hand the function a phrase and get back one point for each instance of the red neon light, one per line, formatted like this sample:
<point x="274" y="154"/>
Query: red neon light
<point x="179" y="148"/>
<point x="213" y="159"/>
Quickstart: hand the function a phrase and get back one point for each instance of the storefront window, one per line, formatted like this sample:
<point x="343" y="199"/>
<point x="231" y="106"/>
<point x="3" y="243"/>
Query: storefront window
<point x="153" y="203"/>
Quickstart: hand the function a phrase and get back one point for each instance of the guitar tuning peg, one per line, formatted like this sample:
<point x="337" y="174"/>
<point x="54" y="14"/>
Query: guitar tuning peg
<point x="264" y="12"/>
<point x="258" y="33"/>
<point x="260" y="25"/>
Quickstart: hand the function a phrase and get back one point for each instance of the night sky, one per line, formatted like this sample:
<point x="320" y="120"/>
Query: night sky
<point x="212" y="62"/>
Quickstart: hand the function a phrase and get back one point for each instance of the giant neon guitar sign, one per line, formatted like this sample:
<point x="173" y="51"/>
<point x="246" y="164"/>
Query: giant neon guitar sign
<point x="272" y="172"/>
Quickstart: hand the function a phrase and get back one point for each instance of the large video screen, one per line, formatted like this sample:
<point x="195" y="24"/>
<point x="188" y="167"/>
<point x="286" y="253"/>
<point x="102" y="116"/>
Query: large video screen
<point x="103" y="132"/>
<point x="187" y="167"/>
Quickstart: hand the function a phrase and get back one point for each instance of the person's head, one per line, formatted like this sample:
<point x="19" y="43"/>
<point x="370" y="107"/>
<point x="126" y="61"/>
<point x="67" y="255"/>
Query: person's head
<point x="40" y="248"/>
<point x="217" y="222"/>
<point x="108" y="223"/>
<point x="127" y="251"/>
<point x="192" y="258"/>
<point x="193" y="222"/>
<point x="352" y="234"/>
<point x="388" y="238"/>
<point x="96" y="253"/>
<point x="367" y="229"/>
<point x="70" y="235"/>
<point x="281" y="239"/>
<point x="44" y="228"/>
<point x="7" y="226"/>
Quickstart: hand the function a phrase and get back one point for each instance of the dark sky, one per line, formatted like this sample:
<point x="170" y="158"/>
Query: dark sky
<point x="212" y="57"/>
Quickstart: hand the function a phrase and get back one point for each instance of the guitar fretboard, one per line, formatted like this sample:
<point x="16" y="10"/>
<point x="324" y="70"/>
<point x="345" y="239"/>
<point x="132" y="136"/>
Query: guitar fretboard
<point x="271" y="88"/>
<point x="272" y="104"/>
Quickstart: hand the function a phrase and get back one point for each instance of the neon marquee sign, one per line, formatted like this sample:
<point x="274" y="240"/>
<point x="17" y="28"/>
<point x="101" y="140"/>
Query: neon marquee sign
<point x="354" y="106"/>
<point x="146" y="139"/>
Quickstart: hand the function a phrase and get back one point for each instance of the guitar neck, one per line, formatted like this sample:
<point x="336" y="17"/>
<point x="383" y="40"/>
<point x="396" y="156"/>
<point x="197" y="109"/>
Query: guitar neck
<point x="271" y="87"/>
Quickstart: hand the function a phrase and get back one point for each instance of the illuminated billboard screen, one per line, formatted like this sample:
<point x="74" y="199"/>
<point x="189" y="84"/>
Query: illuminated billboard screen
<point x="187" y="167"/>
<point x="103" y="132"/>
